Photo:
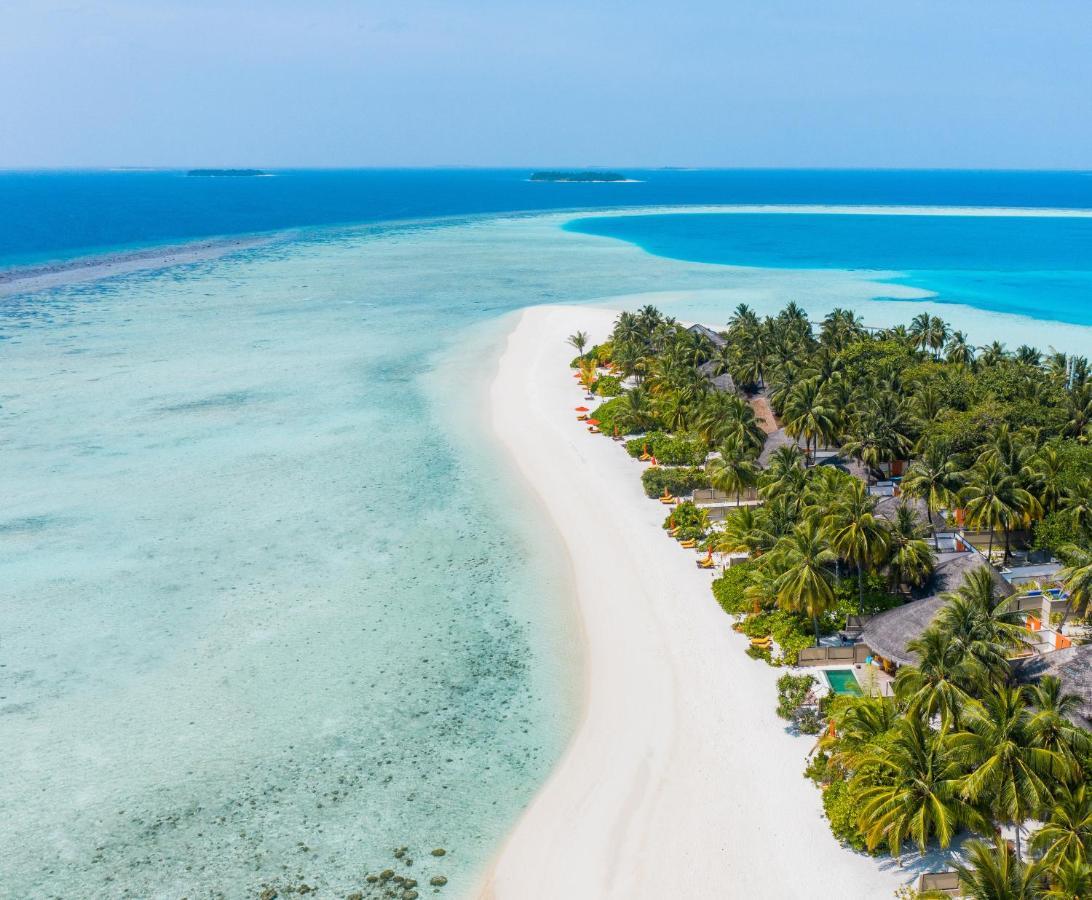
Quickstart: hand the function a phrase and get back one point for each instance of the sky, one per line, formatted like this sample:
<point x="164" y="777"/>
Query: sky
<point x="717" y="83"/>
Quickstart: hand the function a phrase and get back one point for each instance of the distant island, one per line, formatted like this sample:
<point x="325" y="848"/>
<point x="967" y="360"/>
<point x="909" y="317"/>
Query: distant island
<point x="578" y="176"/>
<point x="224" y="173"/>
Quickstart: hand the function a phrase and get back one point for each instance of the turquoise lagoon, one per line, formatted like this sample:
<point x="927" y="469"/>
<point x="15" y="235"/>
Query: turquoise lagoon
<point x="1034" y="266"/>
<point x="273" y="601"/>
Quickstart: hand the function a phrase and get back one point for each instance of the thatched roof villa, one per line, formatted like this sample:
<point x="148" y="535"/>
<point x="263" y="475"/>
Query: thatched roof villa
<point x="888" y="508"/>
<point x="1072" y="667"/>
<point x="709" y="334"/>
<point x="722" y="382"/>
<point x="888" y="633"/>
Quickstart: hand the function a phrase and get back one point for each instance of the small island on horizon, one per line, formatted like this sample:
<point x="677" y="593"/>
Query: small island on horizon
<point x="586" y="176"/>
<point x="224" y="173"/>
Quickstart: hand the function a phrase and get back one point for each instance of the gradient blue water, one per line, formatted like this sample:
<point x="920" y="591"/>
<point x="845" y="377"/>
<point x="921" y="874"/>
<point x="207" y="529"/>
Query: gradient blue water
<point x="48" y="215"/>
<point x="1034" y="266"/>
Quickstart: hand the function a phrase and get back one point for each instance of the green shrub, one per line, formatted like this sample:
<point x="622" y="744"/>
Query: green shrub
<point x="685" y="515"/>
<point x="843" y="808"/>
<point x="847" y="600"/>
<point x="671" y="450"/>
<point x="759" y="653"/>
<point x="818" y="768"/>
<point x="792" y="694"/>
<point x="1056" y="530"/>
<point x="809" y="721"/>
<point x="606" y="413"/>
<point x="676" y="480"/>
<point x="791" y="631"/>
<point x="729" y="588"/>
<point x="607" y="386"/>
<point x="639" y="445"/>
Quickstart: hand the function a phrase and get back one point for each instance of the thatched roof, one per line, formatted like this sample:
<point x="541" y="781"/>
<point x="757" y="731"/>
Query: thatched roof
<point x="888" y="633"/>
<point x="888" y="507"/>
<point x="709" y="334"/>
<point x="774" y="440"/>
<point x="854" y="467"/>
<point x="723" y="382"/>
<point x="1072" y="667"/>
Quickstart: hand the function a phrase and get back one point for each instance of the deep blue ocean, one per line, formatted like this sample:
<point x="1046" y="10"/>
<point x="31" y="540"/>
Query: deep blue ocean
<point x="53" y="215"/>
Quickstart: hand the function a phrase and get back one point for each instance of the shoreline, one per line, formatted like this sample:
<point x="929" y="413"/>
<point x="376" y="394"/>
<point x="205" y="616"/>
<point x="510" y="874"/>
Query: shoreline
<point x="31" y="278"/>
<point x="680" y="779"/>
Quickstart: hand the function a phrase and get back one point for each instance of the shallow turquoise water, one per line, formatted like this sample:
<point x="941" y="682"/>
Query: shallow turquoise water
<point x="273" y="603"/>
<point x="1039" y="267"/>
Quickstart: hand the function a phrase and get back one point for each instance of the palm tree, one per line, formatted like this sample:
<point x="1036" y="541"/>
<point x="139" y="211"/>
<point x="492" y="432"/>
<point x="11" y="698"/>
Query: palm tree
<point x="935" y="685"/>
<point x="909" y="556"/>
<point x="1071" y="880"/>
<point x="1076" y="505"/>
<point x="804" y="584"/>
<point x="994" y="354"/>
<point x="982" y="623"/>
<point x="912" y="790"/>
<point x="1045" y="475"/>
<point x="732" y="471"/>
<point x="1079" y="411"/>
<point x="808" y="415"/>
<point x="1077" y="579"/>
<point x="579" y="341"/>
<point x="744" y="531"/>
<point x="959" y="351"/>
<point x="856" y="534"/>
<point x="1029" y="356"/>
<point x="636" y="412"/>
<point x="936" y="479"/>
<point x="1005" y="767"/>
<point x="994" y="499"/>
<point x="1067" y="834"/>
<point x="995" y="873"/>
<point x="1051" y="727"/>
<point x="857" y="725"/>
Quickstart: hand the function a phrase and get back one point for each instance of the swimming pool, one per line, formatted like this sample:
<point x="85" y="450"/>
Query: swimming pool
<point x="843" y="681"/>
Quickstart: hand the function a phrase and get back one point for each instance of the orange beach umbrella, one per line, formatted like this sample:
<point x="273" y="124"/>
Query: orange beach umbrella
<point x="593" y="421"/>
<point x="581" y="409"/>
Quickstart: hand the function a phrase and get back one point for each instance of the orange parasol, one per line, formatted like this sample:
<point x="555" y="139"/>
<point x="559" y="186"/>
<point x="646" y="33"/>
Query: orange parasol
<point x="581" y="409"/>
<point x="593" y="421"/>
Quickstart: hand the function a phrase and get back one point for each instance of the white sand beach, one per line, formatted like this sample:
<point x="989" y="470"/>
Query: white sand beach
<point x="681" y="780"/>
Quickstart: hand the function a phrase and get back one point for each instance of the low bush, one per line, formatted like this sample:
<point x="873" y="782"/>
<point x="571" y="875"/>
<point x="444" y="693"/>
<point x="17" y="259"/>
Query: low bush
<point x="607" y="412"/>
<point x="793" y="692"/>
<point x="759" y="653"/>
<point x="791" y="631"/>
<point x="843" y="808"/>
<point x="809" y="721"/>
<point x="607" y="386"/>
<point x="676" y="480"/>
<point x="818" y="769"/>
<point x="671" y="450"/>
<point x="685" y="515"/>
<point x="729" y="588"/>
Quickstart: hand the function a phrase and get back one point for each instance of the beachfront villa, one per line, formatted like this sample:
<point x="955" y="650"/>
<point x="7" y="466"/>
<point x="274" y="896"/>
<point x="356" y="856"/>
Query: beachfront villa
<point x="887" y="634"/>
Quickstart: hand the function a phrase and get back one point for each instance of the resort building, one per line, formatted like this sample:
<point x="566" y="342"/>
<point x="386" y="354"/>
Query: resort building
<point x="709" y="334"/>
<point x="888" y="633"/>
<point x="1072" y="667"/>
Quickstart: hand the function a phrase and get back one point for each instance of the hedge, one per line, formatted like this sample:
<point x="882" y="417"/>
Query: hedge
<point x="677" y="481"/>
<point x="729" y="587"/>
<point x="671" y="450"/>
